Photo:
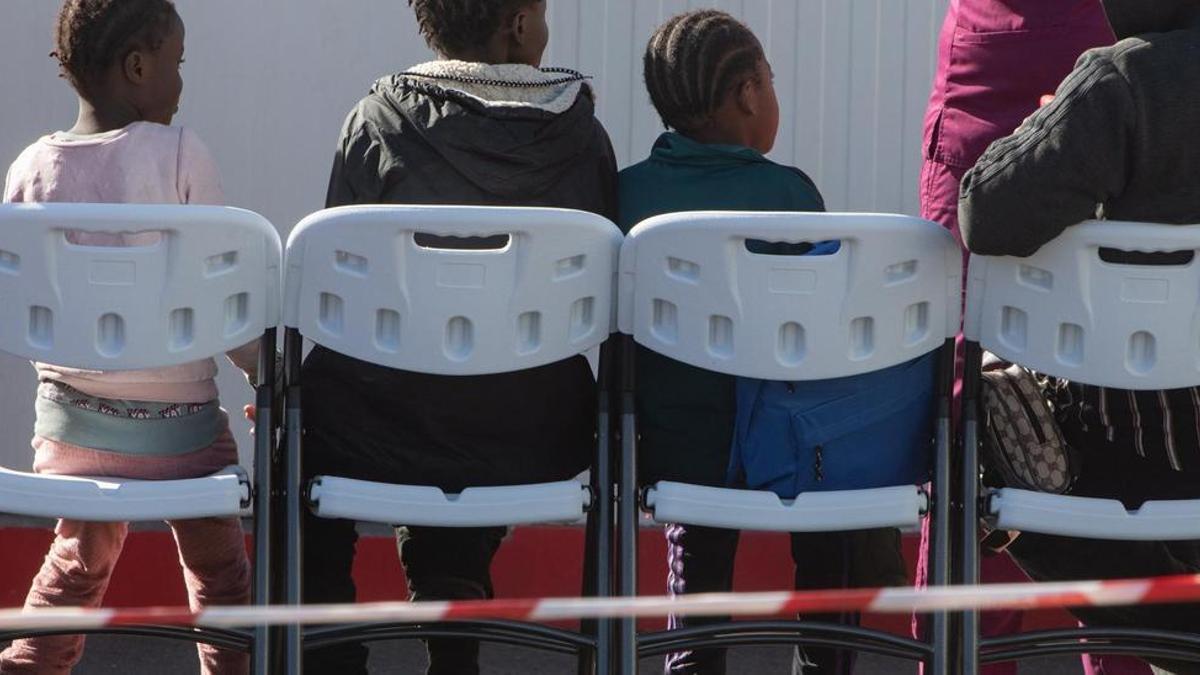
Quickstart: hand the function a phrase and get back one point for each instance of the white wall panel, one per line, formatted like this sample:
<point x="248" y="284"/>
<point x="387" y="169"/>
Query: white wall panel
<point x="852" y="77"/>
<point x="268" y="83"/>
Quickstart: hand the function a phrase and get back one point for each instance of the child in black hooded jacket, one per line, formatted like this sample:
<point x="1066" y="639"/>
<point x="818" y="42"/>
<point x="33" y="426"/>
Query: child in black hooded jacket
<point x="482" y="125"/>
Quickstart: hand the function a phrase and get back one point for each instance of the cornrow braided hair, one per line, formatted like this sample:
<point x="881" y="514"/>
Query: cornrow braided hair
<point x="693" y="61"/>
<point x="92" y="35"/>
<point x="454" y="26"/>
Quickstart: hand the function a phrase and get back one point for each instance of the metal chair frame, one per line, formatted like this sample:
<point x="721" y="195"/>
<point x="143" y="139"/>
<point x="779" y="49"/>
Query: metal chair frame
<point x="29" y="236"/>
<point x="1019" y="308"/>
<point x="706" y="241"/>
<point x="404" y="224"/>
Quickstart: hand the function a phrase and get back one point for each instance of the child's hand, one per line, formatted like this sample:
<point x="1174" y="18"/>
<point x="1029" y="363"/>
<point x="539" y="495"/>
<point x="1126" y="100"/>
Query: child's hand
<point x="1045" y="100"/>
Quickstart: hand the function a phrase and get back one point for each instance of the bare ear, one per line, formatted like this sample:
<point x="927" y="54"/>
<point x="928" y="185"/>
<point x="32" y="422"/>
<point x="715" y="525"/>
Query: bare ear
<point x="747" y="96"/>
<point x="518" y="27"/>
<point x="134" y="67"/>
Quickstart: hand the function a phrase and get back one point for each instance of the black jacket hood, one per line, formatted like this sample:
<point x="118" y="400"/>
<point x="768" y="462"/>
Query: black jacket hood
<point x="508" y="137"/>
<point x="1137" y="17"/>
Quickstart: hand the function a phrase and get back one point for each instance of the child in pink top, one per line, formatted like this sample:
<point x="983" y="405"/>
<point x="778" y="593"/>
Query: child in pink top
<point x="123" y="59"/>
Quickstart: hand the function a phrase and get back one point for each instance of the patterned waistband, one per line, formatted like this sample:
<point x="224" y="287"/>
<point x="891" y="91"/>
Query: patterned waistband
<point x="68" y="415"/>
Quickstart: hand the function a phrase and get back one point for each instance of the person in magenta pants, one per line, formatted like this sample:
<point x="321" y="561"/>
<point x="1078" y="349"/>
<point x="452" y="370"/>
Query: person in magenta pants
<point x="996" y="59"/>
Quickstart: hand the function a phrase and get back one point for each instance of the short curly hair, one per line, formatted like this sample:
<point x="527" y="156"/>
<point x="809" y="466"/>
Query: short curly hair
<point x="693" y="60"/>
<point x="92" y="35"/>
<point x="454" y="26"/>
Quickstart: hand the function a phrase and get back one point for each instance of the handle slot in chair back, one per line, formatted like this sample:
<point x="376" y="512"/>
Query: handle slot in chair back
<point x="208" y="284"/>
<point x="412" y="289"/>
<point x="1088" y="308"/>
<point x="692" y="291"/>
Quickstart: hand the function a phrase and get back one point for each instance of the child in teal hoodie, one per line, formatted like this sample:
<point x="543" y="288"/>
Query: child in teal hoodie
<point x="709" y="80"/>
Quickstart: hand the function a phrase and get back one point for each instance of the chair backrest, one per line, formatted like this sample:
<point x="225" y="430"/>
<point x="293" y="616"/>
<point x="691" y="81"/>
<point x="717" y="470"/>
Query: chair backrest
<point x="692" y="290"/>
<point x="362" y="281"/>
<point x="209" y="284"/>
<point x="1065" y="311"/>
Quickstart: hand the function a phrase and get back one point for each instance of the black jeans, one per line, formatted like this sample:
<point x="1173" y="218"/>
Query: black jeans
<point x="1115" y="472"/>
<point x="440" y="564"/>
<point x="372" y="423"/>
<point x="700" y="560"/>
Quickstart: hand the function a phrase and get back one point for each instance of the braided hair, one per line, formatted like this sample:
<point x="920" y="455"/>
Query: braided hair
<point x="454" y="26"/>
<point x="692" y="63"/>
<point x="92" y="35"/>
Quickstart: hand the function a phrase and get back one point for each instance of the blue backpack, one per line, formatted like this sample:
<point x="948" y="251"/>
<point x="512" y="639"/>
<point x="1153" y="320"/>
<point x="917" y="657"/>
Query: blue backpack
<point x="865" y="431"/>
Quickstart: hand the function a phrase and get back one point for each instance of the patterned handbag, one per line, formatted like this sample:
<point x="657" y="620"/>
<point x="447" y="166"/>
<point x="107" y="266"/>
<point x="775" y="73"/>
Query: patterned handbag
<point x="1023" y="446"/>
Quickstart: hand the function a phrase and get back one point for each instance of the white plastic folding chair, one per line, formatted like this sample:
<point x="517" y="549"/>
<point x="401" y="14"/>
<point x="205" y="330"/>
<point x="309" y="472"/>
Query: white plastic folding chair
<point x="692" y="291"/>
<point x="1068" y="312"/>
<point x="210" y="284"/>
<point x="359" y="283"/>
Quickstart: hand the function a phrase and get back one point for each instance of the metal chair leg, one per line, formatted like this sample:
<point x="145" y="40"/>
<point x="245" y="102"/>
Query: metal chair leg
<point x="627" y="509"/>
<point x="293" y="651"/>
<point x="598" y="551"/>
<point x="627" y="516"/>
<point x="603" y="505"/>
<point x="263" y="658"/>
<point x="969" y="561"/>
<point x="941" y="625"/>
<point x="597" y="570"/>
<point x="587" y="660"/>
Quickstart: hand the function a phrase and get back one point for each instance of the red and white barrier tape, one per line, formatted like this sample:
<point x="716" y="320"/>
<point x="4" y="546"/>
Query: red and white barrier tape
<point x="1184" y="588"/>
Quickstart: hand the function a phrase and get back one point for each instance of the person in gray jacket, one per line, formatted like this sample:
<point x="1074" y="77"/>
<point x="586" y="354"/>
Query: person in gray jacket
<point x="1119" y="138"/>
<point x="1119" y="141"/>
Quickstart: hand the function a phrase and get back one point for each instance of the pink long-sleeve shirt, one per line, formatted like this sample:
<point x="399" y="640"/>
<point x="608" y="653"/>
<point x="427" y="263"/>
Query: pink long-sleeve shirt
<point x="143" y="163"/>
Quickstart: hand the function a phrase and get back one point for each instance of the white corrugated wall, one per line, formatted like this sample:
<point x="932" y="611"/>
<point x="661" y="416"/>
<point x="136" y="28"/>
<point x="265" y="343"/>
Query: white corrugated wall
<point x="852" y="77"/>
<point x="268" y="83"/>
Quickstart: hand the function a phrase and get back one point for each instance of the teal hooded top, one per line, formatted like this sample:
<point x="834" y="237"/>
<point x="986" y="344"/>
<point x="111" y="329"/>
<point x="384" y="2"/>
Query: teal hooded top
<point x="686" y="415"/>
